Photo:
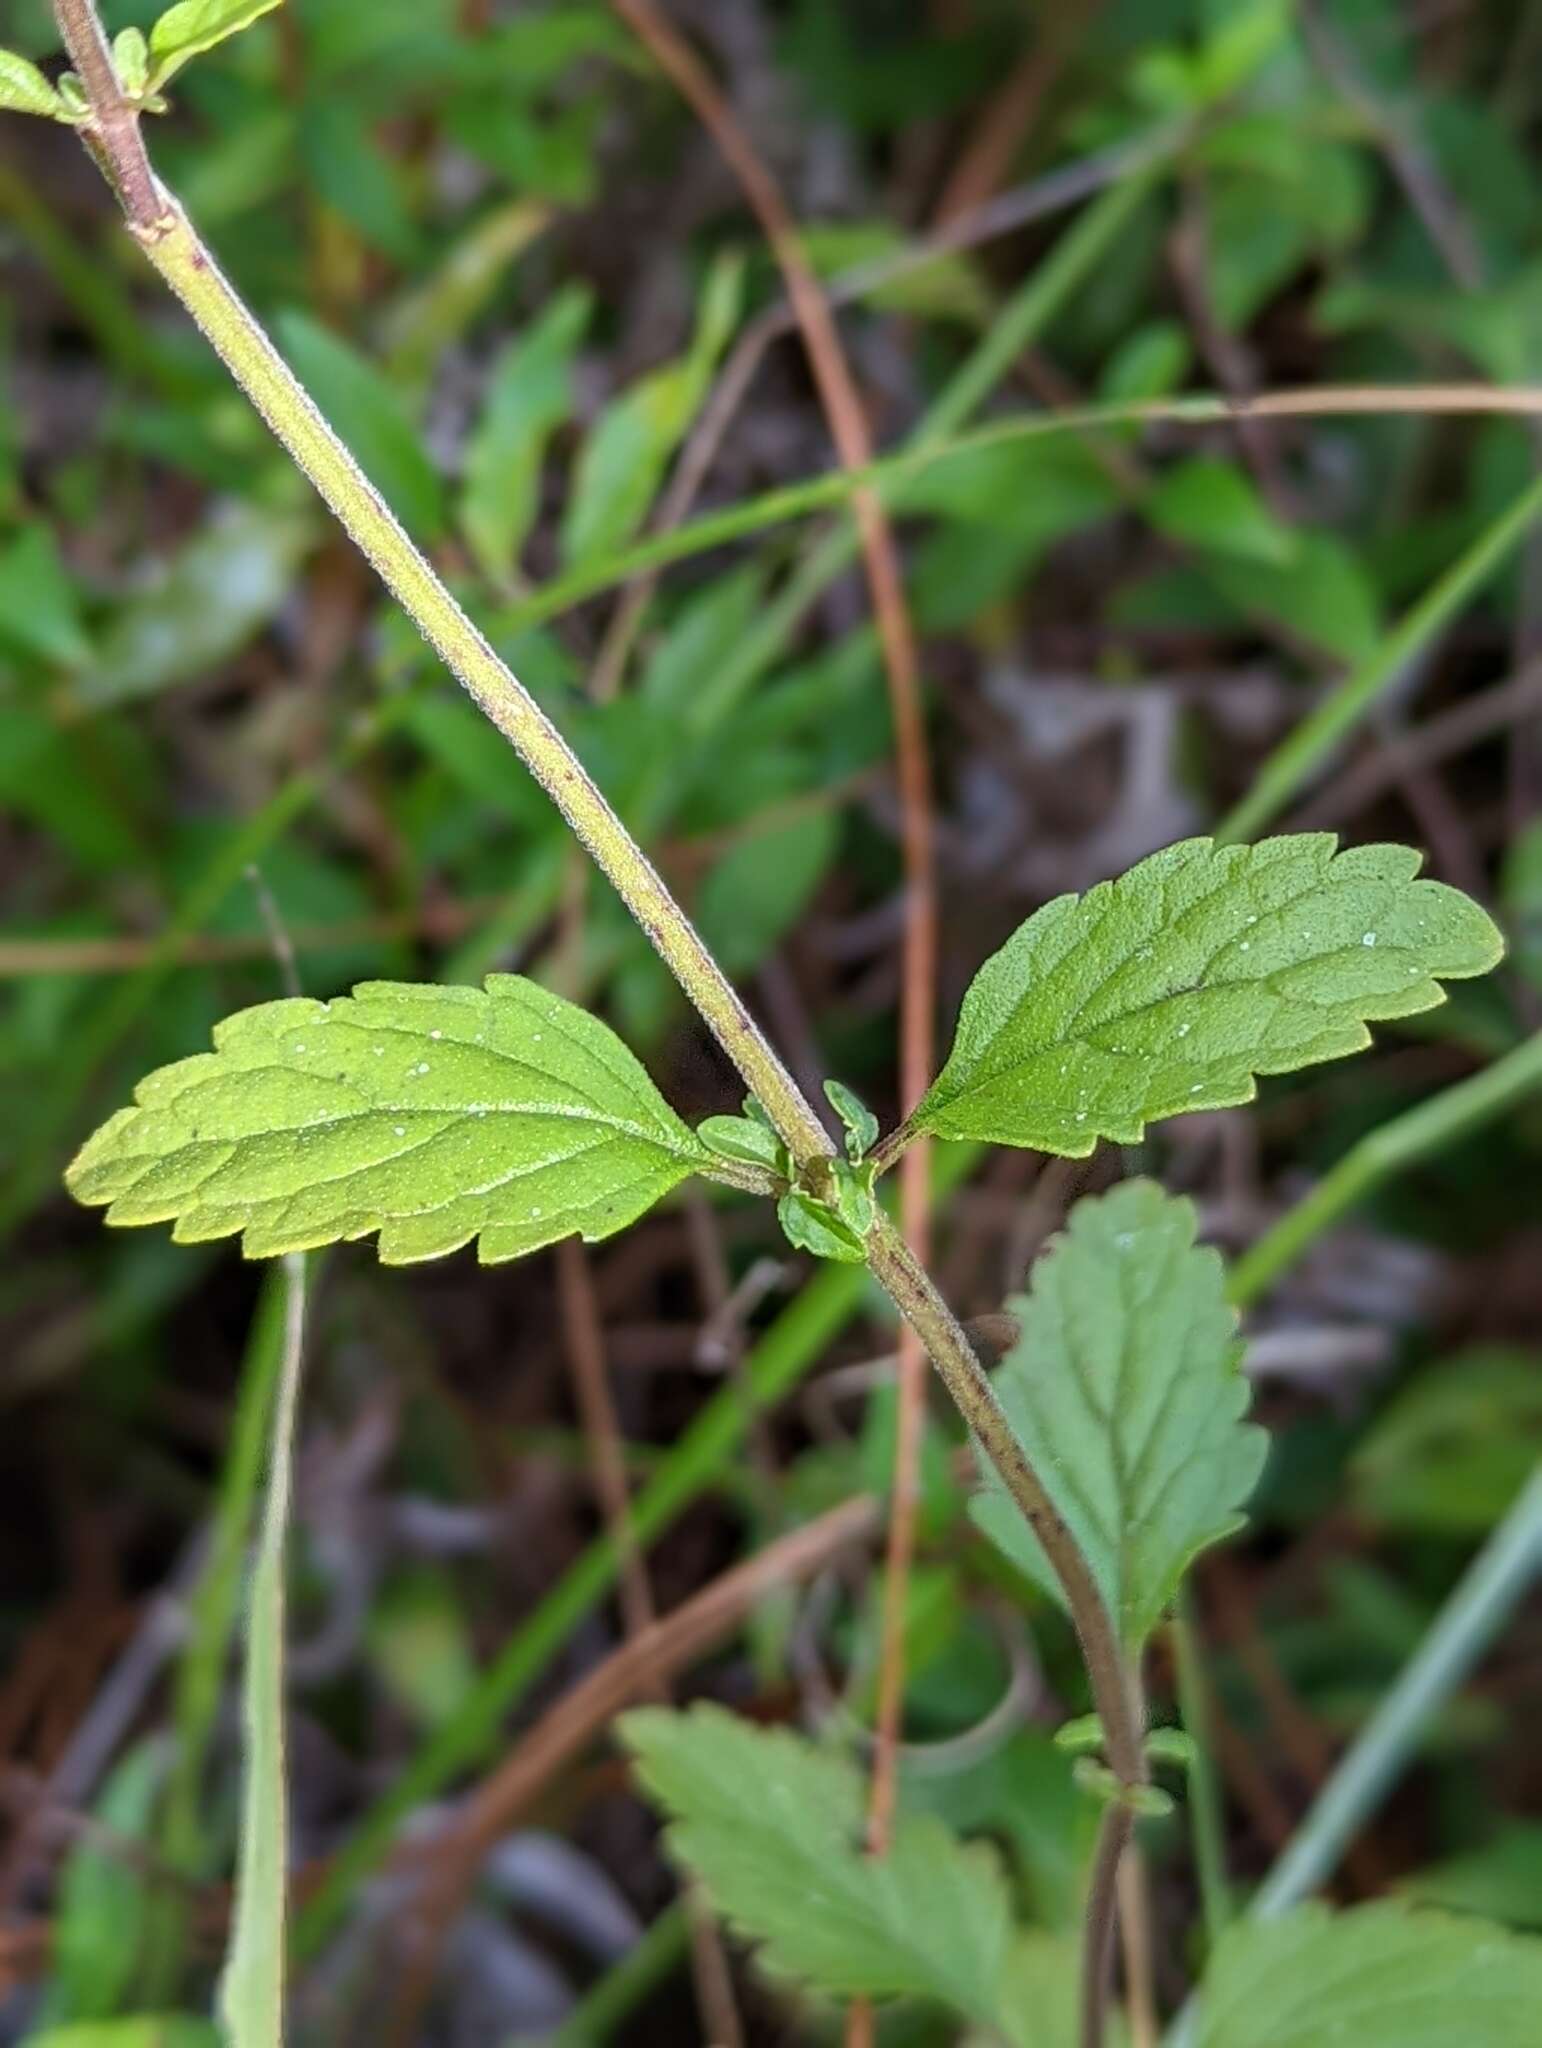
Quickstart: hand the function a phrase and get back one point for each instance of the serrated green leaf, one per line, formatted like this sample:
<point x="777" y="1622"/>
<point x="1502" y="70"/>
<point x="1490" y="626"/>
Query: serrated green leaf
<point x="772" y="1828"/>
<point x="743" y="1137"/>
<point x="1377" y="1977"/>
<point x="1173" y="987"/>
<point x="193" y="26"/>
<point x="812" y="1226"/>
<point x="1124" y="1388"/>
<point x="433" y="1115"/>
<point x="25" y="90"/>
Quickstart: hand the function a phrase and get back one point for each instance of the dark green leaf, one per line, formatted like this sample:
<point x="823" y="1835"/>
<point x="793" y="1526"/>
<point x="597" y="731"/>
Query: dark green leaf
<point x="39" y="612"/>
<point x="1124" y="1388"/>
<point x="760" y="888"/>
<point x="1211" y="504"/>
<point x="624" y="458"/>
<point x="530" y="395"/>
<point x="369" y="414"/>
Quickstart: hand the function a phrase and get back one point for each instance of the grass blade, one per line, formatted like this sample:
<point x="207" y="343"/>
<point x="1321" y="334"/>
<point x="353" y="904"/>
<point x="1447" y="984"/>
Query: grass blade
<point x="1304" y="750"/>
<point x="252" y="1987"/>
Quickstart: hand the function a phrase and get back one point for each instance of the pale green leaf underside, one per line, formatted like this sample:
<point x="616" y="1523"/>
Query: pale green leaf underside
<point x="772" y="1828"/>
<point x="1173" y="987"/>
<point x="1124" y="1388"/>
<point x="1377" y="1977"/>
<point x="433" y="1115"/>
<point x="24" y="89"/>
<point x="190" y="27"/>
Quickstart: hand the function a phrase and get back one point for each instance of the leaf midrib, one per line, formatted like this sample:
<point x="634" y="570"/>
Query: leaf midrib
<point x="986" y="1077"/>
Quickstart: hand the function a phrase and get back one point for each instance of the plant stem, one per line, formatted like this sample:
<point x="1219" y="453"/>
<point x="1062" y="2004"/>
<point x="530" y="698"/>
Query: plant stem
<point x="1114" y="1833"/>
<point x="926" y="451"/>
<point x="173" y="247"/>
<point x="113" y="138"/>
<point x="251" y="1993"/>
<point x="912" y="1291"/>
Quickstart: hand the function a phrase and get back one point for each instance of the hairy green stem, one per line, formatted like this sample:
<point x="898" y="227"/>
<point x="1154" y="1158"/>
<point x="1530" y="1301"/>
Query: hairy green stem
<point x="168" y="239"/>
<point x="833" y="488"/>
<point x="172" y="246"/>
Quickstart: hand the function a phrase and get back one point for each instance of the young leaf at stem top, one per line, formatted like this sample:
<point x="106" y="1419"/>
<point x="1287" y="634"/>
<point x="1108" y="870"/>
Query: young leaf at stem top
<point x="433" y="1115"/>
<point x="193" y="26"/>
<point x="1125" y="1391"/>
<point x="861" y="1124"/>
<point x="1172" y="987"/>
<point x="1379" y="1977"/>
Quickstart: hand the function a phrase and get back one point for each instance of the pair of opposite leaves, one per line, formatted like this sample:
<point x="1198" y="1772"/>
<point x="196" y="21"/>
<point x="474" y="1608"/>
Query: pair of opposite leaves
<point x="505" y="1114"/>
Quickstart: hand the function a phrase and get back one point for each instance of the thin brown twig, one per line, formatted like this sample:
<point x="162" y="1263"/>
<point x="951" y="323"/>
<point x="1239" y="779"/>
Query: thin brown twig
<point x="668" y="1646"/>
<point x="849" y="428"/>
<point x="985" y="162"/>
<point x="585" y="1339"/>
<point x="1114" y="1836"/>
<point x="455" y="1861"/>
<point x="999" y="216"/>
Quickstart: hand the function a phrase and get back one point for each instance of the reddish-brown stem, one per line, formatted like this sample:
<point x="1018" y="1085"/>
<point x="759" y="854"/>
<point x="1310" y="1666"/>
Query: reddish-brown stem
<point x="849" y="427"/>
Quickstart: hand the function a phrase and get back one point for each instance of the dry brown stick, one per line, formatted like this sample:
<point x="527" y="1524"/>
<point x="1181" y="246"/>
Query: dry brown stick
<point x="999" y="216"/>
<point x="983" y="167"/>
<point x="586" y="1354"/>
<point x="670" y="1645"/>
<point x="849" y="427"/>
